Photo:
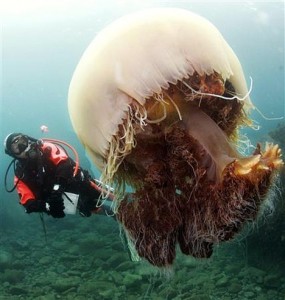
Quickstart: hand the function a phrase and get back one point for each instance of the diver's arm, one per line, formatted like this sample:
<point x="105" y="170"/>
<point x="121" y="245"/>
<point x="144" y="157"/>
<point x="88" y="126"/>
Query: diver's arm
<point x="52" y="206"/>
<point x="33" y="205"/>
<point x="28" y="199"/>
<point x="24" y="192"/>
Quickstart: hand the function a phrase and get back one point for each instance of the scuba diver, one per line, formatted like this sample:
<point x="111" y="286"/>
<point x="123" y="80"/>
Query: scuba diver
<point x="49" y="181"/>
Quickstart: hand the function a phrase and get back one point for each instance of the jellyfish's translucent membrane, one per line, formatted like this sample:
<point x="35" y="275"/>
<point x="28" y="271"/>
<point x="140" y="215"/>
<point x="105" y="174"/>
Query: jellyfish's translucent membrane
<point x="157" y="100"/>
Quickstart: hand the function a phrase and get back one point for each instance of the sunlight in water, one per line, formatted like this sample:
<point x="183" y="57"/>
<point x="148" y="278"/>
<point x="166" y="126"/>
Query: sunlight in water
<point x="28" y="8"/>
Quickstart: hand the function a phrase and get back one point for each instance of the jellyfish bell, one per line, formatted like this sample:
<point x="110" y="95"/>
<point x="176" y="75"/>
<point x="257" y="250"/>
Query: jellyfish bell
<point x="127" y="65"/>
<point x="157" y="99"/>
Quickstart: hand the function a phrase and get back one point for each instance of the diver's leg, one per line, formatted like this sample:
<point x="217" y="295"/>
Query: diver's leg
<point x="93" y="201"/>
<point x="84" y="206"/>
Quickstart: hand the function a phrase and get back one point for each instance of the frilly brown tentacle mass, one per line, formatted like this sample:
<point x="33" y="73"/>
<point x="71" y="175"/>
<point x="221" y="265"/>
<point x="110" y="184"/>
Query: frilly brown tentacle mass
<point x="192" y="187"/>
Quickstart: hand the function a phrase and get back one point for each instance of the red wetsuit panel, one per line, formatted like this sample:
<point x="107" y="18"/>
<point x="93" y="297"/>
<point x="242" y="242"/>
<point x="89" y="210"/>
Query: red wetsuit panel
<point x="24" y="191"/>
<point x="57" y="154"/>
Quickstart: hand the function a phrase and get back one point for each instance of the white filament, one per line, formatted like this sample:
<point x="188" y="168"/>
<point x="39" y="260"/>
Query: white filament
<point x="220" y="96"/>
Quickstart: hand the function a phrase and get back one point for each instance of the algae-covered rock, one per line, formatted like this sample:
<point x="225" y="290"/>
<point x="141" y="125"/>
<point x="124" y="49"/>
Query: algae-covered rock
<point x="12" y="276"/>
<point x="46" y="260"/>
<point x="6" y="259"/>
<point x="235" y="287"/>
<point x="116" y="259"/>
<point x="272" y="281"/>
<point x="117" y="277"/>
<point x="200" y="297"/>
<point x="18" y="291"/>
<point x="63" y="284"/>
<point x="222" y="282"/>
<point x="125" y="266"/>
<point x="132" y="279"/>
<point x="73" y="249"/>
<point x="96" y="287"/>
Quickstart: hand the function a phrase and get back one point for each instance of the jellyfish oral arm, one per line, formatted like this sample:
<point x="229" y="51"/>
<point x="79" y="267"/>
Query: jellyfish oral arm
<point x="220" y="152"/>
<point x="211" y="137"/>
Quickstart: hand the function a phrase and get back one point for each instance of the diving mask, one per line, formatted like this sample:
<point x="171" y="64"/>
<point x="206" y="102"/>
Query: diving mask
<point x="19" y="144"/>
<point x="22" y="146"/>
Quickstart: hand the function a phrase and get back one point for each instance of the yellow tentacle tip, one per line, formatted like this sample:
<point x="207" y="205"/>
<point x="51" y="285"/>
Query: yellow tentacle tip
<point x="269" y="159"/>
<point x="245" y="165"/>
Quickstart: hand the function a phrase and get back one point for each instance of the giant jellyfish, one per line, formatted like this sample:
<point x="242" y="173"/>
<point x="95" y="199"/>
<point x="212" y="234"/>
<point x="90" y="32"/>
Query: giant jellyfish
<point x="157" y="100"/>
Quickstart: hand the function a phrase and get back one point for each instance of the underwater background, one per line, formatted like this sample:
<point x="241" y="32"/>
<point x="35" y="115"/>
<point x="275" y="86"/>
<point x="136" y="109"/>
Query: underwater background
<point x="80" y="258"/>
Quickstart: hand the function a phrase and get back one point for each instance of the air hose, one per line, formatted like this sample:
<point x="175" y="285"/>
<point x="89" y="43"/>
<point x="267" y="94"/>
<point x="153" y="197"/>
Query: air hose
<point x="70" y="147"/>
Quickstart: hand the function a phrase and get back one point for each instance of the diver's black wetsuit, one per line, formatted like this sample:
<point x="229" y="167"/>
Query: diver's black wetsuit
<point x="36" y="181"/>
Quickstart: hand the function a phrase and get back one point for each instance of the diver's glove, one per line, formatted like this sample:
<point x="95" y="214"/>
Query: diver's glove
<point x="34" y="205"/>
<point x="55" y="206"/>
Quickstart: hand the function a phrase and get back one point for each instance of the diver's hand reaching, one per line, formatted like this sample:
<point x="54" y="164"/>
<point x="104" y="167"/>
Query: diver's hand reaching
<point x="55" y="206"/>
<point x="34" y="205"/>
